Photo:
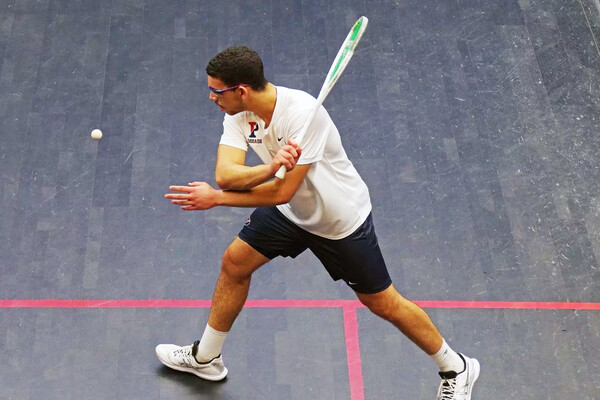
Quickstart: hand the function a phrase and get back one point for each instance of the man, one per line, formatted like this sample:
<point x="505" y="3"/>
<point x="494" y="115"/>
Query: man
<point x="322" y="204"/>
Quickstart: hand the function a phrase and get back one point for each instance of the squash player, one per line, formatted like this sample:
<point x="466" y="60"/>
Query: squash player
<point x="322" y="204"/>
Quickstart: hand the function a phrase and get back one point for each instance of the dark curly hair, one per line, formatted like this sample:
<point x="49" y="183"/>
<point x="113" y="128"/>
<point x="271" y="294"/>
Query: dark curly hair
<point x="236" y="65"/>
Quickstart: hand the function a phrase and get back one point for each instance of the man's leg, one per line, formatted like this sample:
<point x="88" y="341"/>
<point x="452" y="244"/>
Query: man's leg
<point x="412" y="321"/>
<point x="457" y="371"/>
<point x="239" y="262"/>
<point x="203" y="358"/>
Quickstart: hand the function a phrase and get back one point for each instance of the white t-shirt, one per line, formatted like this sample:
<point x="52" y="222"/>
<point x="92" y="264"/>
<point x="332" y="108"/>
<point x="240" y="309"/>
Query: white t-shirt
<point x="332" y="201"/>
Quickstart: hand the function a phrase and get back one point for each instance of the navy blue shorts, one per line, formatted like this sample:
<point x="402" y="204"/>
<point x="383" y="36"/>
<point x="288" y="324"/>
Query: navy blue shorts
<point x="356" y="259"/>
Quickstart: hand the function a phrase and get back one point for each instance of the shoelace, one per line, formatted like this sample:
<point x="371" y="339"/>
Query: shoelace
<point x="185" y="351"/>
<point x="186" y="354"/>
<point x="448" y="389"/>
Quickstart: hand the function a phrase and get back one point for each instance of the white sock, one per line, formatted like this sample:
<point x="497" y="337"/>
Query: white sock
<point x="210" y="345"/>
<point x="448" y="360"/>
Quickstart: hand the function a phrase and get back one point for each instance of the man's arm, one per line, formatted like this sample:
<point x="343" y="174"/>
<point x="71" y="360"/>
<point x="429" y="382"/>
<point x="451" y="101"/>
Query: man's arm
<point x="232" y="174"/>
<point x="202" y="196"/>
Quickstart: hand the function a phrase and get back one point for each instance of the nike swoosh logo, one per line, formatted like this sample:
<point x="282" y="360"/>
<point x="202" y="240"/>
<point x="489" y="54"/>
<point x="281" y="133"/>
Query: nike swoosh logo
<point x="279" y="139"/>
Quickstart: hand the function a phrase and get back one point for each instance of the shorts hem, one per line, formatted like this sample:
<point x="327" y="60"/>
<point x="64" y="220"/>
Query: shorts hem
<point x="261" y="251"/>
<point x="374" y="291"/>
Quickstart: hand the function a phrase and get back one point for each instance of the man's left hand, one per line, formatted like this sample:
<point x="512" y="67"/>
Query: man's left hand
<point x="195" y="196"/>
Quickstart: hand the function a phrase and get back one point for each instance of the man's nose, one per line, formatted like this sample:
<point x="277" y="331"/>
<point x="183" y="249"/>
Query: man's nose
<point x="212" y="96"/>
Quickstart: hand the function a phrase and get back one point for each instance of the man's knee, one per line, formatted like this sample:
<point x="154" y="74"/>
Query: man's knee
<point x="232" y="266"/>
<point x="379" y="308"/>
<point x="240" y="260"/>
<point x="384" y="304"/>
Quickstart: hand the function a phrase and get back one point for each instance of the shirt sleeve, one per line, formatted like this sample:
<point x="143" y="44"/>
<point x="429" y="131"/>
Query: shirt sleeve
<point x="233" y="135"/>
<point x="313" y="142"/>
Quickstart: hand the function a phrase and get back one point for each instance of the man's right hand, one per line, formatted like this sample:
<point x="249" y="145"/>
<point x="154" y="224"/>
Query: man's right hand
<point x="287" y="156"/>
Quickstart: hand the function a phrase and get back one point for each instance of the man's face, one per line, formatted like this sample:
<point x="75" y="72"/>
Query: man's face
<point x="229" y="101"/>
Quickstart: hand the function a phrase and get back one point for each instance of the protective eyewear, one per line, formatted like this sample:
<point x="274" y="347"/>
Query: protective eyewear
<point x="219" y="92"/>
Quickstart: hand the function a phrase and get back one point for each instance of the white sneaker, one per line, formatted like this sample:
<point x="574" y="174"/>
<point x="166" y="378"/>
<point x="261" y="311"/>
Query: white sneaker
<point x="459" y="386"/>
<point x="183" y="359"/>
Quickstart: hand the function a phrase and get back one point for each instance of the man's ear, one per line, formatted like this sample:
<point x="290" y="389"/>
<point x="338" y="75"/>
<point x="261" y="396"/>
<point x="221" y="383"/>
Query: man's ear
<point x="244" y="92"/>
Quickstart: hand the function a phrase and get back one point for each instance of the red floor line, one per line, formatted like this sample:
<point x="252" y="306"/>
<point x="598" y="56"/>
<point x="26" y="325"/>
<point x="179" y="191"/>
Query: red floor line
<point x="157" y="303"/>
<point x="355" y="376"/>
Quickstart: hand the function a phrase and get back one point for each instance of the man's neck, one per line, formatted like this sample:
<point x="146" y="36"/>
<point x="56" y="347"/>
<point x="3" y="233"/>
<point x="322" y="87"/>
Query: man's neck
<point x="264" y="103"/>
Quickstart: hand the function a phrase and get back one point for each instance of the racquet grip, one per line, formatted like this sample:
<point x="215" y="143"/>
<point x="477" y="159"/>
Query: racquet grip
<point x="280" y="172"/>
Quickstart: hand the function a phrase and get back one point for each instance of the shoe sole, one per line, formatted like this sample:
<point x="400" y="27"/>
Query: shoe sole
<point x="213" y="378"/>
<point x="474" y="368"/>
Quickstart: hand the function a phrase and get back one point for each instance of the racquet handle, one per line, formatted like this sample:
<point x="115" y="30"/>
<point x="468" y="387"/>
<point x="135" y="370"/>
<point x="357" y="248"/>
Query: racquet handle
<point x="280" y="172"/>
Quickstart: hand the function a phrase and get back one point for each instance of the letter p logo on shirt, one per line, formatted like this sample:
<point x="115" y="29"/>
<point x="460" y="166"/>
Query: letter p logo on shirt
<point x="253" y="128"/>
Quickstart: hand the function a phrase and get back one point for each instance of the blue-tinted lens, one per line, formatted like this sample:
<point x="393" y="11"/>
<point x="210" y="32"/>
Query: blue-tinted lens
<point x="221" y="91"/>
